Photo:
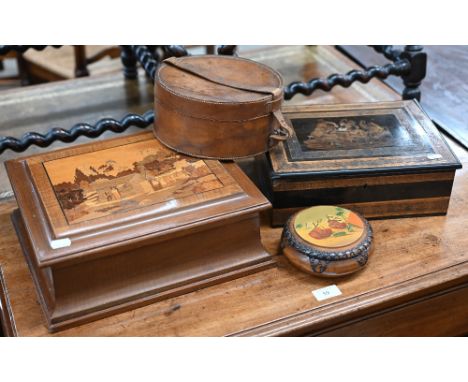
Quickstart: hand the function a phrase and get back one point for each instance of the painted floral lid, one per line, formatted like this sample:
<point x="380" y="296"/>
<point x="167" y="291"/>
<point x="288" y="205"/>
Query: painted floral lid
<point x="328" y="241"/>
<point x="329" y="226"/>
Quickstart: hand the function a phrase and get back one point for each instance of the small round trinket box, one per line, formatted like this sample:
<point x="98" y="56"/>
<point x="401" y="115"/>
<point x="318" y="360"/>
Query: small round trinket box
<point x="327" y="241"/>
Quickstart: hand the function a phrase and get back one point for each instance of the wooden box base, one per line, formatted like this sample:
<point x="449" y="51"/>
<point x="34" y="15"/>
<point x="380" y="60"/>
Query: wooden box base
<point x="379" y="197"/>
<point x="95" y="289"/>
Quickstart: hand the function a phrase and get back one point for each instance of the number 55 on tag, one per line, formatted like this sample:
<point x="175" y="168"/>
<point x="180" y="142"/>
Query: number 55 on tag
<point x="327" y="292"/>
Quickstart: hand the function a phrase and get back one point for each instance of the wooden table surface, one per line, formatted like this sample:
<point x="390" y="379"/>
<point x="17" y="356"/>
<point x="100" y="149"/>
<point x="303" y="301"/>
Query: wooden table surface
<point x="416" y="282"/>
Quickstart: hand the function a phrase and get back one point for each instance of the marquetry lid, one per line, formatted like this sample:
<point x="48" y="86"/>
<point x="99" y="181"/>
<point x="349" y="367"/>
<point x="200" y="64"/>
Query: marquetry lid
<point x="327" y="240"/>
<point x="103" y="197"/>
<point x="360" y="139"/>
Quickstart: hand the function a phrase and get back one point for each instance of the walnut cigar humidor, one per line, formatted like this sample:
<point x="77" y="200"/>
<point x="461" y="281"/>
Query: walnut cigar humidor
<point x="112" y="225"/>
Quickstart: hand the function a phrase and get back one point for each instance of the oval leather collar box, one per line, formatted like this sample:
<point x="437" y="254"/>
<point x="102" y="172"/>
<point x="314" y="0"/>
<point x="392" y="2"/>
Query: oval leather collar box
<point x="327" y="241"/>
<point x="218" y="107"/>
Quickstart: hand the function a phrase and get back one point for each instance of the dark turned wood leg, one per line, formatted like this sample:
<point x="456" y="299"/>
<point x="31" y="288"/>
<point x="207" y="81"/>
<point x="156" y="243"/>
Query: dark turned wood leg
<point x="418" y="59"/>
<point x="81" y="69"/>
<point x="176" y="50"/>
<point x="23" y="69"/>
<point x="129" y="62"/>
<point x="227" y="50"/>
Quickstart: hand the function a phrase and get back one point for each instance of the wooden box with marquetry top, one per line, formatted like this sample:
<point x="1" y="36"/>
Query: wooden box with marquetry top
<point x="383" y="160"/>
<point x="112" y="225"/>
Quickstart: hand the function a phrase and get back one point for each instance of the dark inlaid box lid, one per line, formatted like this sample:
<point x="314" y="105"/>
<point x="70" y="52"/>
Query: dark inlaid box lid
<point x="360" y="139"/>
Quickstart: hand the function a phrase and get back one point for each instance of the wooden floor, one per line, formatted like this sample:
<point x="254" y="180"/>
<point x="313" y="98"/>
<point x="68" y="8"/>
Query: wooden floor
<point x="60" y="63"/>
<point x="444" y="90"/>
<point x="9" y="77"/>
<point x="416" y="282"/>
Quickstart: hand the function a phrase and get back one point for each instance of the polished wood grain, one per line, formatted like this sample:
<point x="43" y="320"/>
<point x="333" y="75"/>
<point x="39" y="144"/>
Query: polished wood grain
<point x="7" y="322"/>
<point x="417" y="262"/>
<point x="413" y="258"/>
<point x="437" y="314"/>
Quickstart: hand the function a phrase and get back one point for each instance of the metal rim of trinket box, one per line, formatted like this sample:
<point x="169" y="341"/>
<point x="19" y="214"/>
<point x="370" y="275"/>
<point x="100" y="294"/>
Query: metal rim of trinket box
<point x="339" y="256"/>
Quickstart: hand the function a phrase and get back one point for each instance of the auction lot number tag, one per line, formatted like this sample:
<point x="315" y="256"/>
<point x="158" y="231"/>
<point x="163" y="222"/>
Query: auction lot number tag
<point x="327" y="292"/>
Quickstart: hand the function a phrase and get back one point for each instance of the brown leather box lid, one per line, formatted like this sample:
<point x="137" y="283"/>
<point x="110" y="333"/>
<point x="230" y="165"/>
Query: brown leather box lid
<point x="218" y="107"/>
<point x="218" y="87"/>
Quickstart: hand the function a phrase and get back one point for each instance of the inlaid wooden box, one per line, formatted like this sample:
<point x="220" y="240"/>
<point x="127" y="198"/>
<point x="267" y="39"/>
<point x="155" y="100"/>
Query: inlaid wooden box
<point x="112" y="225"/>
<point x="380" y="159"/>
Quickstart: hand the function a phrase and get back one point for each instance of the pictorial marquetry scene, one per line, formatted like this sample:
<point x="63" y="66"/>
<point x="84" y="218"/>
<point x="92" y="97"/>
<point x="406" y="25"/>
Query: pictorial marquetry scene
<point x="123" y="178"/>
<point x="359" y="132"/>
